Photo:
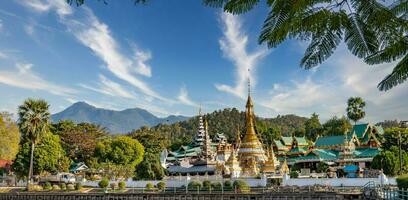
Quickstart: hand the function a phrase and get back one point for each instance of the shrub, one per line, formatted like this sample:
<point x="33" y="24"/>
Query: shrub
<point x="227" y="185"/>
<point x="103" y="183"/>
<point x="78" y="186"/>
<point x="114" y="186"/>
<point x="70" y="187"/>
<point x="294" y="174"/>
<point x="149" y="186"/>
<point x="63" y="186"/>
<point x="122" y="185"/>
<point x="206" y="185"/>
<point x="47" y="186"/>
<point x="402" y="182"/>
<point x="194" y="185"/>
<point x="161" y="185"/>
<point x="241" y="186"/>
<point x="216" y="186"/>
<point x="56" y="187"/>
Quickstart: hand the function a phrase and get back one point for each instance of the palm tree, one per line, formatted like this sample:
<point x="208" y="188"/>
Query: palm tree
<point x="355" y="109"/>
<point x="34" y="119"/>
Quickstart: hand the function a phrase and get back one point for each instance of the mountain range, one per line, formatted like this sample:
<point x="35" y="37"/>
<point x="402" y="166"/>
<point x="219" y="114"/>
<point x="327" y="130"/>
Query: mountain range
<point x="115" y="121"/>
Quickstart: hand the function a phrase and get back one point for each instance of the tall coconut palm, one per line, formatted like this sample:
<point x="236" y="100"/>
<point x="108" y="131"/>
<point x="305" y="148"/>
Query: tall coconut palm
<point x="355" y="109"/>
<point x="34" y="119"/>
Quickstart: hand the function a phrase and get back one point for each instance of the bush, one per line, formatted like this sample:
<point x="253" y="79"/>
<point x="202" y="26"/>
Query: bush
<point x="70" y="187"/>
<point x="122" y="185"/>
<point x="206" y="185"/>
<point x="161" y="185"/>
<point x="216" y="186"/>
<point x="194" y="185"/>
<point x="150" y="186"/>
<point x="103" y="183"/>
<point x="241" y="186"/>
<point x="56" y="187"/>
<point x="78" y="186"/>
<point x="47" y="186"/>
<point x="402" y="182"/>
<point x="227" y="185"/>
<point x="294" y="174"/>
<point x="63" y="186"/>
<point x="114" y="186"/>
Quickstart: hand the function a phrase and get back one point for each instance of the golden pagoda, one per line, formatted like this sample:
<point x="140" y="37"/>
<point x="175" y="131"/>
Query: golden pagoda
<point x="250" y="154"/>
<point x="269" y="166"/>
<point x="284" y="168"/>
<point x="232" y="165"/>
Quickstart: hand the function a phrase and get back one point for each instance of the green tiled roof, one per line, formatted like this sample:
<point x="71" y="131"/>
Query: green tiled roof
<point x="326" y="154"/>
<point x="366" y="152"/>
<point x="298" y="150"/>
<point x="301" y="141"/>
<point x="287" y="140"/>
<point x="380" y="129"/>
<point x="279" y="144"/>
<point x="329" y="140"/>
<point x="359" y="129"/>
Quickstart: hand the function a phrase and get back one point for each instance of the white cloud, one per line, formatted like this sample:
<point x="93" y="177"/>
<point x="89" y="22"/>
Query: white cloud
<point x="234" y="46"/>
<point x="110" y="88"/>
<point x="60" y="6"/>
<point x="29" y="29"/>
<point x="3" y="55"/>
<point x="341" y="77"/>
<point x="1" y="25"/>
<point x="184" y="99"/>
<point x="25" y="78"/>
<point x="141" y="66"/>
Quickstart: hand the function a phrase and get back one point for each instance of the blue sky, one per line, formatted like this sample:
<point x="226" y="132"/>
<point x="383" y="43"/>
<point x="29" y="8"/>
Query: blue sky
<point x="171" y="57"/>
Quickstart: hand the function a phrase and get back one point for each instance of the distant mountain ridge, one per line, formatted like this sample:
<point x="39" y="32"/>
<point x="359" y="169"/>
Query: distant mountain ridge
<point x="115" y="121"/>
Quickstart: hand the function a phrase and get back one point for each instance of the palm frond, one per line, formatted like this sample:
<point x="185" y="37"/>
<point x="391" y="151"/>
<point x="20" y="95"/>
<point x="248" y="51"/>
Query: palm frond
<point x="215" y="3"/>
<point x="399" y="7"/>
<point x="240" y="6"/>
<point x="399" y="75"/>
<point x="321" y="47"/>
<point x="360" y="40"/>
<point x="390" y="53"/>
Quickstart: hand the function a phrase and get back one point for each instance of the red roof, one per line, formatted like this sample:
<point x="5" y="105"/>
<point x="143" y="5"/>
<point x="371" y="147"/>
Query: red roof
<point x="5" y="163"/>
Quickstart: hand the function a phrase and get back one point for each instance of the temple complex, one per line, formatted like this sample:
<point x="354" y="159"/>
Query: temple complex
<point x="249" y="157"/>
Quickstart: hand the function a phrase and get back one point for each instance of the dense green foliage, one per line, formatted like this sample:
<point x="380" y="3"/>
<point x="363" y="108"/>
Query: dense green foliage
<point x="355" y="109"/>
<point x="194" y="185"/>
<point x="336" y="126"/>
<point x="402" y="182"/>
<point x="104" y="183"/>
<point x="389" y="161"/>
<point x="49" y="156"/>
<point x="241" y="186"/>
<point x="120" y="150"/>
<point x="79" y="140"/>
<point x="391" y="138"/>
<point x="313" y="127"/>
<point x="161" y="185"/>
<point x="34" y="119"/>
<point x="10" y="137"/>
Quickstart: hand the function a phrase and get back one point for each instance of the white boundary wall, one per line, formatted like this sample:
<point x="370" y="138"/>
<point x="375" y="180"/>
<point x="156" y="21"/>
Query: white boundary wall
<point x="183" y="181"/>
<point x="337" y="182"/>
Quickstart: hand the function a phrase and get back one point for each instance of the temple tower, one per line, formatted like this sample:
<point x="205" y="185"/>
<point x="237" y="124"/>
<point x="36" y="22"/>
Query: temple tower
<point x="198" y="139"/>
<point x="251" y="154"/>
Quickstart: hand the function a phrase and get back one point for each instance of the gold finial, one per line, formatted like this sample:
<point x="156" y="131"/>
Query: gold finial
<point x="249" y="82"/>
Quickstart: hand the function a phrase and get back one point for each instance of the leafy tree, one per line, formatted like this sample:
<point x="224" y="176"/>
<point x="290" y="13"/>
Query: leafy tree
<point x="387" y="161"/>
<point x="34" y="119"/>
<point x="313" y="127"/>
<point x="270" y="134"/>
<point x="10" y="137"/>
<point x="121" y="150"/>
<point x="150" y="168"/>
<point x="49" y="157"/>
<point x="336" y="126"/>
<point x="103" y="183"/>
<point x="79" y="140"/>
<point x="389" y="124"/>
<point x="355" y="108"/>
<point x="391" y="137"/>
